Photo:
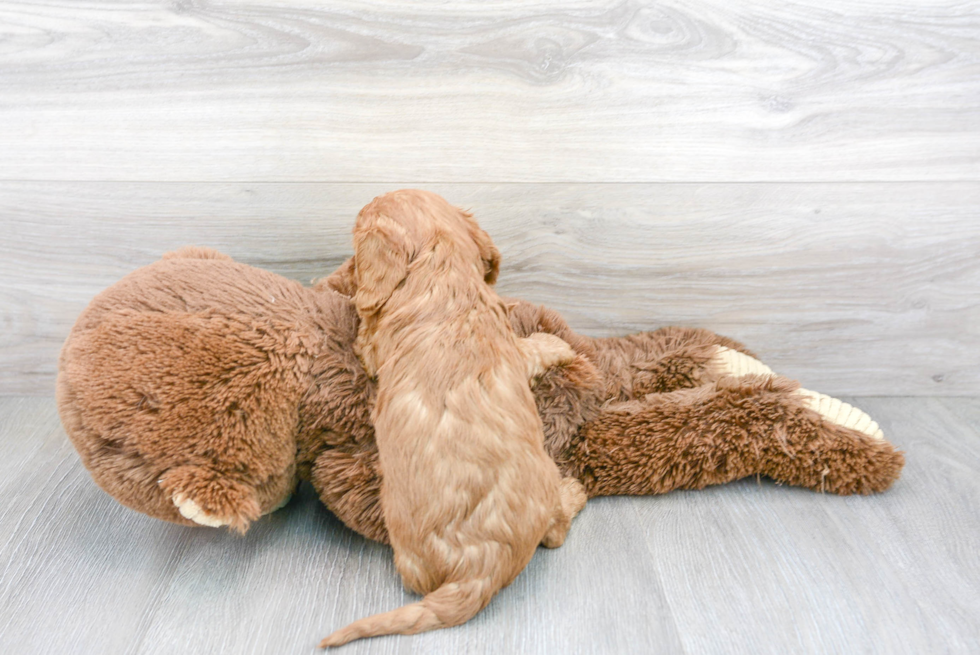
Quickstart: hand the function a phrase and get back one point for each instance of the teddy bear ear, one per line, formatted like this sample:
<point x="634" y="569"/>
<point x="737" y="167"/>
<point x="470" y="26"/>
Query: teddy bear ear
<point x="341" y="280"/>
<point x="380" y="264"/>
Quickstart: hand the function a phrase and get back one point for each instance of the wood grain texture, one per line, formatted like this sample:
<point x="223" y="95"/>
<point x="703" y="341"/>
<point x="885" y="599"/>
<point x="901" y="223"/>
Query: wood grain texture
<point x="504" y="91"/>
<point x="865" y="289"/>
<point x="746" y="567"/>
<point x="894" y="573"/>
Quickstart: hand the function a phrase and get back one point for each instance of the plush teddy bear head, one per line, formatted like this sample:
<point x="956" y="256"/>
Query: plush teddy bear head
<point x="180" y="386"/>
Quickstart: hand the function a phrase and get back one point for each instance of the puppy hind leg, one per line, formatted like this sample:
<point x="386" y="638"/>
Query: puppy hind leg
<point x="573" y="498"/>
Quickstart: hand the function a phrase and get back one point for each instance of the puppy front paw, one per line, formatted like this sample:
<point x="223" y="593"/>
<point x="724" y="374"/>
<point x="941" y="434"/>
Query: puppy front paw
<point x="543" y="351"/>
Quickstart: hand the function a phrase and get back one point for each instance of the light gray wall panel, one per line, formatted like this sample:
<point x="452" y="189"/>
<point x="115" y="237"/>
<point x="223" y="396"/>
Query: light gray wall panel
<point x="868" y="289"/>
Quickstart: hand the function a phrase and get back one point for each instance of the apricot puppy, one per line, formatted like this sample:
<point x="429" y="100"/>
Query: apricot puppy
<point x="469" y="491"/>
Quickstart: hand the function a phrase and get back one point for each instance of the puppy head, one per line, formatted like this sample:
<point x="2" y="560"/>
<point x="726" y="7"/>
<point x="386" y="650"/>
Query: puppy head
<point x="403" y="229"/>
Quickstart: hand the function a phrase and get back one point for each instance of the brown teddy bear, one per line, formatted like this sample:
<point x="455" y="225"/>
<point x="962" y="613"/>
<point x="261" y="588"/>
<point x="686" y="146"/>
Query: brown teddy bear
<point x="200" y="390"/>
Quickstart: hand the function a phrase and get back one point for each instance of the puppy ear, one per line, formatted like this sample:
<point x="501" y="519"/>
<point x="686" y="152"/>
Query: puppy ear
<point x="488" y="253"/>
<point x="380" y="264"/>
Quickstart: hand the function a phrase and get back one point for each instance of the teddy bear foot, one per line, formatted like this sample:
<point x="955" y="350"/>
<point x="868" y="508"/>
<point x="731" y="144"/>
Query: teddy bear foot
<point x="282" y="503"/>
<point x="191" y="510"/>
<point x="209" y="498"/>
<point x="840" y="413"/>
<point x="728" y="362"/>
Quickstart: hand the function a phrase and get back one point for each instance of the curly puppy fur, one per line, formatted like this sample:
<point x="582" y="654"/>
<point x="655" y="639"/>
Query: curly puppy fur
<point x="469" y="491"/>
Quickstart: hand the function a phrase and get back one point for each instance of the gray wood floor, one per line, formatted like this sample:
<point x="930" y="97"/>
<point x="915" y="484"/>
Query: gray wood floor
<point x="747" y="567"/>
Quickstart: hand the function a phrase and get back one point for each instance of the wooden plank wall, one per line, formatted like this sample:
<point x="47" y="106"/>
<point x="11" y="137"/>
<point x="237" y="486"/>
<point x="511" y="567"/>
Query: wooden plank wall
<point x="802" y="176"/>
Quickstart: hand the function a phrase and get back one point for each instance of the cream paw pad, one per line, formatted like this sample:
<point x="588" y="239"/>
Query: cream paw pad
<point x="737" y="364"/>
<point x="841" y="413"/>
<point x="192" y="511"/>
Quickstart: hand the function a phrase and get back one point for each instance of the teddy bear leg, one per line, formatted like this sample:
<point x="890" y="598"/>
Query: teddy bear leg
<point x="573" y="498"/>
<point x="719" y="432"/>
<point x="729" y="362"/>
<point x="822" y="443"/>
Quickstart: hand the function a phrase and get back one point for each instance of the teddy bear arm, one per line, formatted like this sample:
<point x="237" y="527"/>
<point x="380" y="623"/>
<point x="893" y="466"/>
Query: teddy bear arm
<point x="341" y="280"/>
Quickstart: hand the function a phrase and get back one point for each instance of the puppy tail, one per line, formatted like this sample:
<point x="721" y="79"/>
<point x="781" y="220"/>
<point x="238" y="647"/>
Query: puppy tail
<point x="449" y="605"/>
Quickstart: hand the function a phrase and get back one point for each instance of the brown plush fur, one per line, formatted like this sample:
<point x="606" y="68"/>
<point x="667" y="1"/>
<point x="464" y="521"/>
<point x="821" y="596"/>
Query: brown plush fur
<point x="186" y="376"/>
<point x="469" y="491"/>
